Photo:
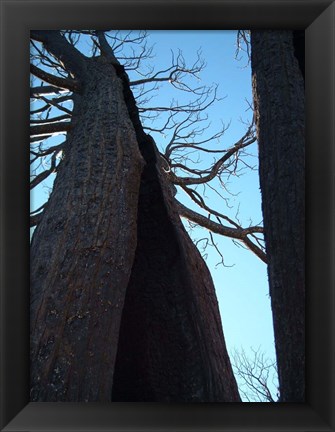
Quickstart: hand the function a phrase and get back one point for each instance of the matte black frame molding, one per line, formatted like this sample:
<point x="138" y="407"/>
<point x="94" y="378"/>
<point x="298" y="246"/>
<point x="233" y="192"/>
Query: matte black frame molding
<point x="17" y="18"/>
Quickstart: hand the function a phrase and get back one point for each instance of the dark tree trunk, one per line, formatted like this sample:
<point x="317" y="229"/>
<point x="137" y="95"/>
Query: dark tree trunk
<point x="82" y="251"/>
<point x="110" y="252"/>
<point x="171" y="345"/>
<point x="278" y="89"/>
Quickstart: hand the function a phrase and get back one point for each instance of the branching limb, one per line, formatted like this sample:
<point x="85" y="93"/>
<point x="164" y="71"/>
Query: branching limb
<point x="198" y="199"/>
<point x="176" y="73"/>
<point x="56" y="103"/>
<point x="48" y="89"/>
<point x="36" y="216"/>
<point x="39" y="138"/>
<point x="62" y="83"/>
<point x="49" y="129"/>
<point x="243" y="43"/>
<point x="105" y="48"/>
<point x="214" y="170"/>
<point x="238" y="232"/>
<point x="43" y="175"/>
<point x="257" y="376"/>
<point x="39" y="53"/>
<point x="50" y="120"/>
<point x="35" y="219"/>
<point x="40" y="152"/>
<point x="185" y="125"/>
<point x="60" y="48"/>
<point x="204" y="100"/>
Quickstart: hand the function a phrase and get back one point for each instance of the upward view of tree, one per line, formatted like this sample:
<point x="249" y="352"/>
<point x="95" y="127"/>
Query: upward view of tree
<point x="277" y="60"/>
<point x="123" y="307"/>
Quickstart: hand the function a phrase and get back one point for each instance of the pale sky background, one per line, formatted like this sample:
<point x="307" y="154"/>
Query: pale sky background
<point x="242" y="286"/>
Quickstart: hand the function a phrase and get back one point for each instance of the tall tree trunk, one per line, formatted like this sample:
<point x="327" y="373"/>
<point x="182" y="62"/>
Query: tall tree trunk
<point x="278" y="90"/>
<point x="110" y="252"/>
<point x="83" y="249"/>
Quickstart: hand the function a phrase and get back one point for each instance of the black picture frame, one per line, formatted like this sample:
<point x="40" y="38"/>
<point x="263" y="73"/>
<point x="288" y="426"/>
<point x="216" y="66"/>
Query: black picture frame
<point x="18" y="17"/>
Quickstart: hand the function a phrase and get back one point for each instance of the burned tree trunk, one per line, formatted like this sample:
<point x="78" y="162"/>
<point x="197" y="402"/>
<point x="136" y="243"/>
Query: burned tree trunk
<point x="82" y="250"/>
<point x="278" y="89"/>
<point x="122" y="305"/>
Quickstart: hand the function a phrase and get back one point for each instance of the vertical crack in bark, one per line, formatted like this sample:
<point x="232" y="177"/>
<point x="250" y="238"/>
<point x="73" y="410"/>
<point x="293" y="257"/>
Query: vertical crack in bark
<point x="105" y="314"/>
<point x="171" y="345"/>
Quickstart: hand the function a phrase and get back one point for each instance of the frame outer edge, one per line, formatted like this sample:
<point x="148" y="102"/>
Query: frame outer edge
<point x="9" y="411"/>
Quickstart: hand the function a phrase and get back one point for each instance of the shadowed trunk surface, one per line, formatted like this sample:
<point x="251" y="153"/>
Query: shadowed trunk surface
<point x="171" y="345"/>
<point x="111" y="251"/>
<point x="278" y="88"/>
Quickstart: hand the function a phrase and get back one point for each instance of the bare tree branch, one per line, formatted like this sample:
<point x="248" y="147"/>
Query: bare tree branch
<point x="40" y="152"/>
<point x="43" y="175"/>
<point x="245" y="141"/>
<point x="56" y="103"/>
<point x="238" y="233"/>
<point x="65" y="52"/>
<point x="35" y="219"/>
<point x="51" y="128"/>
<point x="105" y="48"/>
<point x="256" y="376"/>
<point x="184" y="125"/>
<point x="39" y="138"/>
<point x="49" y="89"/>
<point x="67" y="84"/>
<point x="50" y="120"/>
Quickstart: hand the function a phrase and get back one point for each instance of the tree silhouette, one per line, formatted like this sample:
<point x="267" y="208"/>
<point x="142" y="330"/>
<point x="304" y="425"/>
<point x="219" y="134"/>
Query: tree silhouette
<point x="123" y="307"/>
<point x="257" y="374"/>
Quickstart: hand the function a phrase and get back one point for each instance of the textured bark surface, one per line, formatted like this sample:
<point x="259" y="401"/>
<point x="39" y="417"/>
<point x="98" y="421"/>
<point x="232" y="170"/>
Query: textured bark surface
<point x="278" y="89"/>
<point x="171" y="345"/>
<point x="122" y="305"/>
<point x="82" y="251"/>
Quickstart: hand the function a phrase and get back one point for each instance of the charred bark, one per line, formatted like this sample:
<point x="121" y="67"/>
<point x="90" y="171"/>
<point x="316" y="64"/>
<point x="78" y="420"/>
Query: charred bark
<point x="171" y="346"/>
<point x="278" y="89"/>
<point x="122" y="305"/>
<point x="82" y="250"/>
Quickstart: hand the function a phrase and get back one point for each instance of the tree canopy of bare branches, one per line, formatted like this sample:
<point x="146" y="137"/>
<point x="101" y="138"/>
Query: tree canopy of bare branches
<point x="183" y="122"/>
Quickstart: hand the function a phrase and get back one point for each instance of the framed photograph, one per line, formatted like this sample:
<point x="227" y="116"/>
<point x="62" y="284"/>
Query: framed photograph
<point x="18" y="412"/>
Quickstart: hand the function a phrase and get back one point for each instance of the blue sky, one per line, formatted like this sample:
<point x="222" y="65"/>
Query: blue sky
<point x="241" y="286"/>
